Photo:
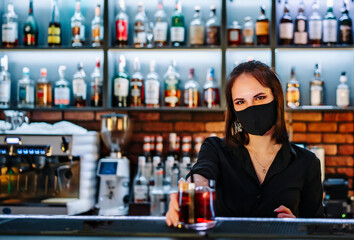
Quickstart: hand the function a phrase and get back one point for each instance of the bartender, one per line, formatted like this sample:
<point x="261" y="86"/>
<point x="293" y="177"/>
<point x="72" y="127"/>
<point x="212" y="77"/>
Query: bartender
<point x="258" y="172"/>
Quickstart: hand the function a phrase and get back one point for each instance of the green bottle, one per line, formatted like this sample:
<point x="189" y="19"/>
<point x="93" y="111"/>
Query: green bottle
<point x="30" y="30"/>
<point x="121" y="85"/>
<point x="177" y="26"/>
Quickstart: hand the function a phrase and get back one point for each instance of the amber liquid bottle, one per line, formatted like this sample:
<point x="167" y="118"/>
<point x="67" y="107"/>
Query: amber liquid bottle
<point x="262" y="29"/>
<point x="286" y="27"/>
<point x="43" y="90"/>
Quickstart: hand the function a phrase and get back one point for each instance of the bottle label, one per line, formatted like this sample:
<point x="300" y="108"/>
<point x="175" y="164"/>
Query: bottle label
<point x="209" y="96"/>
<point x="5" y="91"/>
<point x="315" y="30"/>
<point x="62" y="96"/>
<point x="10" y="32"/>
<point x="316" y="96"/>
<point x="177" y="34"/>
<point x="152" y="94"/>
<point x="122" y="30"/>
<point x="262" y="28"/>
<point x="26" y="94"/>
<point x="121" y="87"/>
<point x="191" y="97"/>
<point x="234" y="35"/>
<point x="329" y="30"/>
<point x="140" y="37"/>
<point x="342" y="97"/>
<point x="213" y="35"/>
<point x="293" y="95"/>
<point x="196" y="35"/>
<point x="286" y="30"/>
<point x="301" y="25"/>
<point x="97" y="33"/>
<point x="160" y="32"/>
<point x="135" y="88"/>
<point x="300" y="37"/>
<point x="346" y="32"/>
<point x="40" y="94"/>
<point x="79" y="88"/>
<point x="54" y="35"/>
<point x="140" y="193"/>
<point x="248" y="35"/>
<point x="78" y="32"/>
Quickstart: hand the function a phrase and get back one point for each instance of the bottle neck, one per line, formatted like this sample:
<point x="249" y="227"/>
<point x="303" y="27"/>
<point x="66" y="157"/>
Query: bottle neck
<point x="30" y="10"/>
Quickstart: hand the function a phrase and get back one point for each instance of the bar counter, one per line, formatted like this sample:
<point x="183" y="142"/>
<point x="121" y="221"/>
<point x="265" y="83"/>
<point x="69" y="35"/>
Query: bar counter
<point x="98" y="227"/>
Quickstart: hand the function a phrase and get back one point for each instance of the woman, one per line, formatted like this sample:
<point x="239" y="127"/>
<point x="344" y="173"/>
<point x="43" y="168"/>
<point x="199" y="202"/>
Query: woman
<point x="258" y="172"/>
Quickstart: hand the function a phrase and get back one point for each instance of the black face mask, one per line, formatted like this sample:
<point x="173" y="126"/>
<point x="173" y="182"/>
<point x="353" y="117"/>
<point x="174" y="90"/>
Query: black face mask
<point x="258" y="119"/>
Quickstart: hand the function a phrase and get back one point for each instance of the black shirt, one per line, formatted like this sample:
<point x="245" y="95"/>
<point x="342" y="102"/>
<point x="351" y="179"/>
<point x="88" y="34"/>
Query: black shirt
<point x="293" y="180"/>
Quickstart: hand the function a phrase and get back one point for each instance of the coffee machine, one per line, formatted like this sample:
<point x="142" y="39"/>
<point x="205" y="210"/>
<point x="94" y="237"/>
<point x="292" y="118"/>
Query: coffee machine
<point x="53" y="172"/>
<point x="114" y="171"/>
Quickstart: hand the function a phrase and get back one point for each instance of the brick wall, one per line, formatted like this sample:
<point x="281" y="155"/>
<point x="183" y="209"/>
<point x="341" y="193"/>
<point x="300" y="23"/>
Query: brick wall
<point x="334" y="131"/>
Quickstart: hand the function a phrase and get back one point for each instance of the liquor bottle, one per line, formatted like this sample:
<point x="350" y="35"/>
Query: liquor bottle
<point x="140" y="27"/>
<point x="159" y="146"/>
<point x="286" y="27"/>
<point x="186" y="161"/>
<point x="342" y="98"/>
<point x="213" y="28"/>
<point x="158" y="199"/>
<point x="137" y="86"/>
<point x="234" y="34"/>
<point x="5" y="84"/>
<point x="345" y="27"/>
<point x="175" y="176"/>
<point x="140" y="183"/>
<point x="329" y="25"/>
<point x="62" y="89"/>
<point x="211" y="92"/>
<point x="96" y="86"/>
<point x="147" y="147"/>
<point x="197" y="145"/>
<point x="300" y="35"/>
<point x="191" y="88"/>
<point x="121" y="85"/>
<point x="315" y="25"/>
<point x="97" y="28"/>
<point x="122" y="24"/>
<point x="248" y="32"/>
<point x="43" y="90"/>
<point x="186" y="146"/>
<point x="30" y="29"/>
<point x="80" y="87"/>
<point x="172" y="87"/>
<point x="10" y="27"/>
<point x="161" y="26"/>
<point x="78" y="27"/>
<point x="262" y="28"/>
<point x="152" y="87"/>
<point x="54" y="29"/>
<point x="177" y="26"/>
<point x="196" y="29"/>
<point x="25" y="90"/>
<point x="292" y="91"/>
<point x="316" y="87"/>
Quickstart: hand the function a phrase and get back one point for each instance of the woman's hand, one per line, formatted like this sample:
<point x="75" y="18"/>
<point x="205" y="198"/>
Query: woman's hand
<point x="172" y="216"/>
<point x="284" y="212"/>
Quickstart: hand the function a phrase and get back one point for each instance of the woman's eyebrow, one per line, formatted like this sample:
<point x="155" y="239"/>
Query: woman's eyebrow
<point x="259" y="94"/>
<point x="238" y="99"/>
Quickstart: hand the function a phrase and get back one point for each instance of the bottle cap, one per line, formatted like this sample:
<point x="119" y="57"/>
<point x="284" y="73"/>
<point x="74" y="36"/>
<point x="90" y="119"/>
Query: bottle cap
<point x="141" y="160"/>
<point x="248" y="18"/>
<point x="197" y="8"/>
<point x="156" y="160"/>
<point x="43" y="72"/>
<point x="343" y="78"/>
<point x="26" y="71"/>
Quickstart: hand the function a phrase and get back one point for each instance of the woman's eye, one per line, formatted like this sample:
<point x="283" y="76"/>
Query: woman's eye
<point x="239" y="102"/>
<point x="260" y="97"/>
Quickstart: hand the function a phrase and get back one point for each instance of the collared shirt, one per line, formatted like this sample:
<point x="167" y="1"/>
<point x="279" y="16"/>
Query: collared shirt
<point x="293" y="180"/>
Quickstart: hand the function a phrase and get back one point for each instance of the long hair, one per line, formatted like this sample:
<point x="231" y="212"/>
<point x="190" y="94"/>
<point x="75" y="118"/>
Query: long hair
<point x="267" y="78"/>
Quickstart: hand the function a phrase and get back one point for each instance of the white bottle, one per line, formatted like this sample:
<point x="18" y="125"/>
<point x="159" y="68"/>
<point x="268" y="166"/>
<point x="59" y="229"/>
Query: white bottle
<point x="152" y="87"/>
<point x="343" y="91"/>
<point x="5" y="84"/>
<point x="140" y="183"/>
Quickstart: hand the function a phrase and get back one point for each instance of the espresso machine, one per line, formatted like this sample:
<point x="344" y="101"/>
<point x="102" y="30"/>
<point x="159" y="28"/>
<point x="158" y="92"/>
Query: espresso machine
<point x="47" y="169"/>
<point x="114" y="171"/>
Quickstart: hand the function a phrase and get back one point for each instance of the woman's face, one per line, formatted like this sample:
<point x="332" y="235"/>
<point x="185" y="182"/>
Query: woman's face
<point x="247" y="91"/>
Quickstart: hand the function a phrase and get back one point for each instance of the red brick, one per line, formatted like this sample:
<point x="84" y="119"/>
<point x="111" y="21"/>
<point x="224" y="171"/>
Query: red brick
<point x="157" y="127"/>
<point x="338" y="117"/>
<point x="338" y="138"/>
<point x="137" y="126"/>
<point x="145" y="116"/>
<point x="347" y="171"/>
<point x="346" y="150"/>
<point x="330" y="170"/>
<point x="299" y="127"/>
<point x="189" y="126"/>
<point x="78" y="115"/>
<point x="305" y="116"/>
<point x="209" y="116"/>
<point x="215" y="127"/>
<point x="347" y="161"/>
<point x="99" y="114"/>
<point x="322" y="127"/>
<point x="350" y="183"/>
<point x="176" y="116"/>
<point x="307" y="137"/>
<point x="46" y="116"/>
<point x="90" y="125"/>
<point x="346" y="127"/>
<point x="330" y="149"/>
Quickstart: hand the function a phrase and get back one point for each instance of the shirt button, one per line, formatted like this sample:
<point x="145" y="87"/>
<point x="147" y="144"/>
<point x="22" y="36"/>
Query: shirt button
<point x="258" y="196"/>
